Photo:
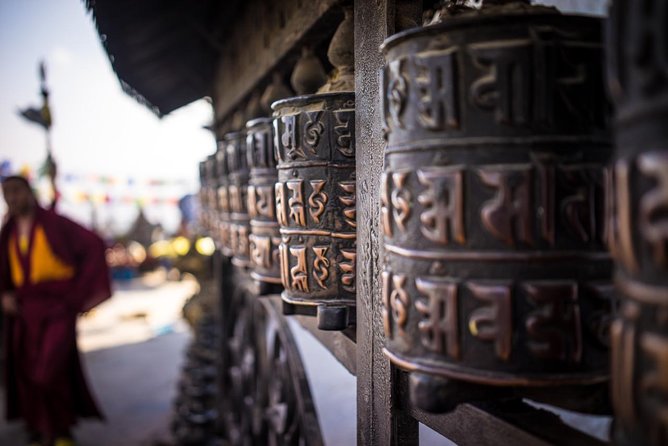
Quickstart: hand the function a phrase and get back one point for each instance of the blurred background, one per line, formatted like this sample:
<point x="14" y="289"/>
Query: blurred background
<point x="114" y="155"/>
<point x="127" y="174"/>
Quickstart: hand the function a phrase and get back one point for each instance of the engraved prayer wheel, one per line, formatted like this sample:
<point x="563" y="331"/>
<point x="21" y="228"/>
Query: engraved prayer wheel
<point x="224" y="218"/>
<point x="315" y="205"/>
<point x="237" y="190"/>
<point x="203" y="194"/>
<point x="265" y="236"/>
<point x="492" y="203"/>
<point x="637" y="214"/>
<point x="210" y="207"/>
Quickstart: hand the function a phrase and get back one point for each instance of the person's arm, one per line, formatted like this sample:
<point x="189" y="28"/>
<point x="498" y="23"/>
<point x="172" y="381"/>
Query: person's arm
<point x="7" y="294"/>
<point x="91" y="282"/>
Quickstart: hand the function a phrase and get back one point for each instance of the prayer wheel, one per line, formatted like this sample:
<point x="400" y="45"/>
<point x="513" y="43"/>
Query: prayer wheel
<point x="203" y="194"/>
<point x="315" y="205"/>
<point x="223" y="200"/>
<point x="492" y="198"/>
<point x="265" y="236"/>
<point x="211" y="202"/>
<point x="637" y="214"/>
<point x="237" y="189"/>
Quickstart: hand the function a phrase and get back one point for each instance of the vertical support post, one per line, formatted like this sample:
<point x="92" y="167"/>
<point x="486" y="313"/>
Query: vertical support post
<point x="380" y="421"/>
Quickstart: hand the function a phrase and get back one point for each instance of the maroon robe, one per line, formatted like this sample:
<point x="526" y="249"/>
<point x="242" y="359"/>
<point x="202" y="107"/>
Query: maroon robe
<point x="45" y="384"/>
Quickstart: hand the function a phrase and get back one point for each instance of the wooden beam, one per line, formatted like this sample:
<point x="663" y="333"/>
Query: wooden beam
<point x="380" y="421"/>
<point x="268" y="36"/>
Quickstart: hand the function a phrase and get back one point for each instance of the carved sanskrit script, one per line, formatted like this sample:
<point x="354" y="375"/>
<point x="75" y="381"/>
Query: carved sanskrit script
<point x="438" y="89"/>
<point x="554" y="326"/>
<point x="263" y="201"/>
<point x="401" y="200"/>
<point x="321" y="266"/>
<point x="313" y="130"/>
<point x="440" y="328"/>
<point x="443" y="218"/>
<point x="252" y="200"/>
<point x="580" y="206"/>
<point x="505" y="86"/>
<point x="654" y="206"/>
<point x="493" y="322"/>
<point x="347" y="199"/>
<point x="261" y="251"/>
<point x="396" y="92"/>
<point x="317" y="200"/>
<point x="508" y="216"/>
<point x="344" y="135"/>
<point x="396" y="302"/>
<point x="385" y="211"/>
<point x="296" y="202"/>
<point x="623" y="340"/>
<point x="289" y="138"/>
<point x="654" y="380"/>
<point x="298" y="273"/>
<point x="348" y="269"/>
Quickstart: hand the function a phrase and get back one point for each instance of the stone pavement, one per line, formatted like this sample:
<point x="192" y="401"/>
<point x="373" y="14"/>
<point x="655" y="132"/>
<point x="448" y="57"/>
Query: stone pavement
<point x="132" y="348"/>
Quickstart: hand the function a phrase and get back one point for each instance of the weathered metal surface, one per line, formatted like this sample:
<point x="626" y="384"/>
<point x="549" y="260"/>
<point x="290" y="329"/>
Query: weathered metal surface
<point x="315" y="204"/>
<point x="381" y="420"/>
<point x="202" y="194"/>
<point x="265" y="237"/>
<point x="237" y="192"/>
<point x="223" y="220"/>
<point x="638" y="220"/>
<point x="210" y="204"/>
<point x="492" y="202"/>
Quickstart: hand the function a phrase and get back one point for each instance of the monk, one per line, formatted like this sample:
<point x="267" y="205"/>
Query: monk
<point x="51" y="269"/>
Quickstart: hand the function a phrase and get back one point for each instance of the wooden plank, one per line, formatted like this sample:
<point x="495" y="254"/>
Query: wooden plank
<point x="380" y="421"/>
<point x="539" y="422"/>
<point x="339" y="344"/>
<point x="469" y="425"/>
<point x="268" y="36"/>
<point x="504" y="422"/>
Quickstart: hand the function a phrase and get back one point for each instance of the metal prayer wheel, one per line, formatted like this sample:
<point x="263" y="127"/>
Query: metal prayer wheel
<point x="223" y="201"/>
<point x="637" y="215"/>
<point x="492" y="203"/>
<point x="203" y="194"/>
<point x="314" y="139"/>
<point x="237" y="189"/>
<point x="265" y="236"/>
<point x="210" y="202"/>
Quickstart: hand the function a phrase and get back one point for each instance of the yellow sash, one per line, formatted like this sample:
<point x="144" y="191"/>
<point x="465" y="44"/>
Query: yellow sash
<point x="44" y="264"/>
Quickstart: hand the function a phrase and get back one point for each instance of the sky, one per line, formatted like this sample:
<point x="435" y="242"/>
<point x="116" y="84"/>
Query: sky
<point x="98" y="131"/>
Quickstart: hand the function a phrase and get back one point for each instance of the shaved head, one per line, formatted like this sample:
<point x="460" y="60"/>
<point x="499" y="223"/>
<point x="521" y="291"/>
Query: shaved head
<point x="18" y="195"/>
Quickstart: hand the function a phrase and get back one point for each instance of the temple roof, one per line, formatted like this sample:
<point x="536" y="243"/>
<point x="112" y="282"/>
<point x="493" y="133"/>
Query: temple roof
<point x="163" y="51"/>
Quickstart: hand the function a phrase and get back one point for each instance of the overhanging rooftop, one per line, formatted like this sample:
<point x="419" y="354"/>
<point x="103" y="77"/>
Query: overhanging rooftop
<point x="163" y="51"/>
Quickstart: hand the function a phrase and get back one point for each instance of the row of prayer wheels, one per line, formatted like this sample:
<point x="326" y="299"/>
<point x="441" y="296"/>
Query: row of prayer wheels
<point x="280" y="201"/>
<point x="500" y="207"/>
